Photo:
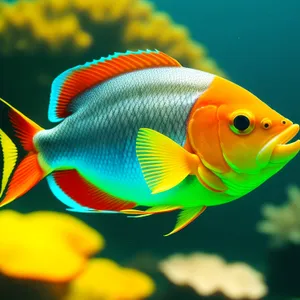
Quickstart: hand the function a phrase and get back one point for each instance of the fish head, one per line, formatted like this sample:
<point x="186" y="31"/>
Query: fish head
<point x="232" y="130"/>
<point x="252" y="137"/>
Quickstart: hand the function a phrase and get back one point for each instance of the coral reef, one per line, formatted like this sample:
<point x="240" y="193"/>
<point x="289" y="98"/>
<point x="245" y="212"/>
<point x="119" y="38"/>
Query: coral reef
<point x="105" y="279"/>
<point x="41" y="252"/>
<point x="61" y="26"/>
<point x="45" y="256"/>
<point x="209" y="275"/>
<point x="42" y="38"/>
<point x="45" y="245"/>
<point x="282" y="223"/>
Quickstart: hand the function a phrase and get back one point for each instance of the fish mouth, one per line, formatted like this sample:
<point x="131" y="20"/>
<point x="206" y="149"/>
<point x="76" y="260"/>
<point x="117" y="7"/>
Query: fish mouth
<point x="277" y="150"/>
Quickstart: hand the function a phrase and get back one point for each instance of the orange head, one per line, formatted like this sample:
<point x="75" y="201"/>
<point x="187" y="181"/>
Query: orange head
<point x="232" y="131"/>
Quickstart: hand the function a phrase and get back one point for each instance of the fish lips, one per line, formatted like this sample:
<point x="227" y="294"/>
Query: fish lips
<point x="277" y="151"/>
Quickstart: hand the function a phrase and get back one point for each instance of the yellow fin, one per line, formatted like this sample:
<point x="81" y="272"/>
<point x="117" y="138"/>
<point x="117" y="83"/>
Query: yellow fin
<point x="10" y="156"/>
<point x="140" y="216"/>
<point x="133" y="212"/>
<point x="164" y="163"/>
<point x="151" y="210"/>
<point x="162" y="209"/>
<point x="136" y="213"/>
<point x="185" y="217"/>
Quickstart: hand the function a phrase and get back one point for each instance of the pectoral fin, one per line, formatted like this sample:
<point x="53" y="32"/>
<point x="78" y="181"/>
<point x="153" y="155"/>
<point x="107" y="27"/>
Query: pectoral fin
<point x="210" y="180"/>
<point x="164" y="163"/>
<point x="187" y="216"/>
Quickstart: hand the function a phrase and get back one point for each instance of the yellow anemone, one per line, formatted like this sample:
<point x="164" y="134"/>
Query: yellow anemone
<point x="45" y="246"/>
<point x="106" y="280"/>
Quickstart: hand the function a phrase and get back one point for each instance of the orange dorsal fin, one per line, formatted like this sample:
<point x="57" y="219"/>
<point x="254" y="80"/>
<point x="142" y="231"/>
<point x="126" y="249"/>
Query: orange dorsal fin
<point x="76" y="80"/>
<point x="81" y="195"/>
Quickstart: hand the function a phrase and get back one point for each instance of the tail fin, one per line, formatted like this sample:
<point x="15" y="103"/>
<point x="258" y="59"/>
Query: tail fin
<point x="20" y="172"/>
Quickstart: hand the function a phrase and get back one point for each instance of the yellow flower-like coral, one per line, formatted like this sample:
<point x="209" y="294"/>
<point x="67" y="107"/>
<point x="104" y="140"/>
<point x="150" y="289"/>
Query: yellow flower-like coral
<point x="46" y="254"/>
<point x="282" y="223"/>
<point x="45" y="246"/>
<point x="65" y="27"/>
<point x="210" y="274"/>
<point x="106" y="280"/>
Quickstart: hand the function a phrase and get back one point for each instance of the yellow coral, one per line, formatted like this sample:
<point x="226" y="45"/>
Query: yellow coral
<point x="51" y="250"/>
<point x="45" y="246"/>
<point x="208" y="274"/>
<point x="58" y="26"/>
<point x="282" y="223"/>
<point x="104" y="279"/>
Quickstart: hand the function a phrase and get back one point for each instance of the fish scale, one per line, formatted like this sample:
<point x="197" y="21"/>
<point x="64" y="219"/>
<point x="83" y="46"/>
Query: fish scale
<point x="107" y="118"/>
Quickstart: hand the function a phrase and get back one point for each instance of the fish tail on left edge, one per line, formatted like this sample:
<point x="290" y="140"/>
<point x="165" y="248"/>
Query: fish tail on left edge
<point x="20" y="167"/>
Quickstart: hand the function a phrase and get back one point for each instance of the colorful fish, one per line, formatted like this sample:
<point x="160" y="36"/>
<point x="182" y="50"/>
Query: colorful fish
<point x="138" y="129"/>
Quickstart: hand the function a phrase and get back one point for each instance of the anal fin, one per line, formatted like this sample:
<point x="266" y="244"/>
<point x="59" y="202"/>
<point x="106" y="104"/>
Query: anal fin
<point x="81" y="195"/>
<point x="136" y="213"/>
<point x="185" y="217"/>
<point x="151" y="210"/>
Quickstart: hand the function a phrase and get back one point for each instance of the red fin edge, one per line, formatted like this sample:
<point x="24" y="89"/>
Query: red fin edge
<point x="86" y="194"/>
<point x="76" y="80"/>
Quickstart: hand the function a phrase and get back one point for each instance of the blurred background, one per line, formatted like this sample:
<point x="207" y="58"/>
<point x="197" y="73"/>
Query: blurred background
<point x="256" y="44"/>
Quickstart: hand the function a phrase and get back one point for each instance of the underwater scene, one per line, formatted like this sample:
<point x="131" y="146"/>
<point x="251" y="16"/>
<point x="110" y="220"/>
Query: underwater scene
<point x="128" y="129"/>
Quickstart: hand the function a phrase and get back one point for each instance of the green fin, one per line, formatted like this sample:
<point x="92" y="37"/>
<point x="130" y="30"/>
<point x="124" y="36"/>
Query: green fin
<point x="185" y="217"/>
<point x="10" y="156"/>
<point x="164" y="163"/>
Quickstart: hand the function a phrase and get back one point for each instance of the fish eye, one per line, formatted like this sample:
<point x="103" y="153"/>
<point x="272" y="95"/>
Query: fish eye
<point x="266" y="123"/>
<point x="241" y="122"/>
<point x="283" y="122"/>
